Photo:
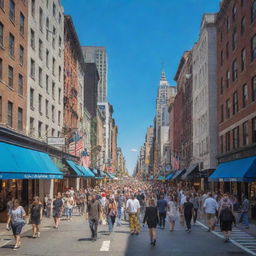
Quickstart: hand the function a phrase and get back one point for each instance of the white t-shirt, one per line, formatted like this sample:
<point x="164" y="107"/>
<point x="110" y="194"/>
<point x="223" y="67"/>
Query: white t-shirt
<point x="132" y="205"/>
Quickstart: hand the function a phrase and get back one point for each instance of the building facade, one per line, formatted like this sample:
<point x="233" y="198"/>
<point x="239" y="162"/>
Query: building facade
<point x="45" y="60"/>
<point x="13" y="64"/>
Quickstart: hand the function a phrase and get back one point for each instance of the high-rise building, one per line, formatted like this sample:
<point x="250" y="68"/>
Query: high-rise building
<point x="98" y="55"/>
<point x="45" y="69"/>
<point x="13" y="64"/>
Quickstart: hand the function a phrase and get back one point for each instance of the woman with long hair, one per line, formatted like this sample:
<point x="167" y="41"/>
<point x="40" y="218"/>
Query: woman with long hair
<point x="151" y="217"/>
<point x="36" y="215"/>
<point x="17" y="219"/>
<point x="111" y="213"/>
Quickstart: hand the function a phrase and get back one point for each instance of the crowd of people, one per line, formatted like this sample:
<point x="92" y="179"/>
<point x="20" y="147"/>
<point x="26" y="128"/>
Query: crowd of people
<point x="138" y="202"/>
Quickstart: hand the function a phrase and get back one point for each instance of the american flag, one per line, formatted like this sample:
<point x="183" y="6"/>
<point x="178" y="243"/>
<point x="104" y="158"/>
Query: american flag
<point x="175" y="161"/>
<point x="77" y="144"/>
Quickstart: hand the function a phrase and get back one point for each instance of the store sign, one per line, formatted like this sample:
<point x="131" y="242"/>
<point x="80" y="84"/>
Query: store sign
<point x="55" y="141"/>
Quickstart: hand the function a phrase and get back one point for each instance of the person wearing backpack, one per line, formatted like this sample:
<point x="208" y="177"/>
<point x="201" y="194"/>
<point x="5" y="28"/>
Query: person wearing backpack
<point x="226" y="217"/>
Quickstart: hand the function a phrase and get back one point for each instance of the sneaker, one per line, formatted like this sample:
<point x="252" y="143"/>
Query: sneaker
<point x="38" y="234"/>
<point x="154" y="242"/>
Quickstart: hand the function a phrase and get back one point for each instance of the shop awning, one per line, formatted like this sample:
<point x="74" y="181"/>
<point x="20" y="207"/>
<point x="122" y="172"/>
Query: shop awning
<point x="80" y="170"/>
<point x="151" y="177"/>
<point x="97" y="174"/>
<point x="189" y="171"/>
<point x="170" y="175"/>
<point x="178" y="174"/>
<point x="161" y="178"/>
<point x="22" y="163"/>
<point x="238" y="170"/>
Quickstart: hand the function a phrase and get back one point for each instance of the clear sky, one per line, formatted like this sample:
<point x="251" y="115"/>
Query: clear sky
<point x="139" y="35"/>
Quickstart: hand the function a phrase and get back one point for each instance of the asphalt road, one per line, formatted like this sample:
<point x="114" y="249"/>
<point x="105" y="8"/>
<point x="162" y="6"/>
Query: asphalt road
<point x="73" y="238"/>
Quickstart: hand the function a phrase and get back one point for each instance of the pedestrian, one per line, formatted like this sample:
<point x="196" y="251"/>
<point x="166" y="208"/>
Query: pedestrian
<point x="188" y="213"/>
<point x="94" y="211"/>
<point x="245" y="211"/>
<point x="210" y="207"/>
<point x="36" y="215"/>
<point x="17" y="219"/>
<point x="162" y="209"/>
<point x="196" y="203"/>
<point x="120" y="207"/>
<point x="237" y="210"/>
<point x="57" y="209"/>
<point x="133" y="209"/>
<point x="111" y="213"/>
<point x="226" y="217"/>
<point x="172" y="212"/>
<point x="68" y="206"/>
<point x="151" y="217"/>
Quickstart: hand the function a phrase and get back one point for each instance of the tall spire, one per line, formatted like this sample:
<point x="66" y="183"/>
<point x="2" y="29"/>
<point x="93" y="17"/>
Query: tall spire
<point x="163" y="77"/>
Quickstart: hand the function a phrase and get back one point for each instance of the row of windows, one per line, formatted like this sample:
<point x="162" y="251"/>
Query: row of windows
<point x="10" y="118"/>
<point x="235" y="136"/>
<point x="40" y="106"/>
<point x="235" y="101"/>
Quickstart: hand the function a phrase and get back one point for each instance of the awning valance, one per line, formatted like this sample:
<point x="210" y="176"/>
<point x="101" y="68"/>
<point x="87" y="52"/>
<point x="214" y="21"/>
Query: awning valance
<point x="23" y="163"/>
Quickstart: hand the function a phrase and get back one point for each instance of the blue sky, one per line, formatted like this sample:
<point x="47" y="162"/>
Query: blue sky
<point x="139" y="36"/>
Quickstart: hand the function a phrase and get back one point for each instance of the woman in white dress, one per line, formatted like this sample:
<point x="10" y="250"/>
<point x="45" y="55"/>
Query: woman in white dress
<point x="172" y="212"/>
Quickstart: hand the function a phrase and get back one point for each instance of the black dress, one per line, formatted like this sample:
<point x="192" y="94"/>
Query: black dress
<point x="151" y="217"/>
<point x="226" y="219"/>
<point x="36" y="214"/>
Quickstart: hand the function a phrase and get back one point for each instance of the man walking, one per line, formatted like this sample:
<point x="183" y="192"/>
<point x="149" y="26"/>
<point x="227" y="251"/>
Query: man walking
<point x="245" y="210"/>
<point x="162" y="209"/>
<point x="120" y="207"/>
<point x="133" y="209"/>
<point x="210" y="208"/>
<point x="93" y="210"/>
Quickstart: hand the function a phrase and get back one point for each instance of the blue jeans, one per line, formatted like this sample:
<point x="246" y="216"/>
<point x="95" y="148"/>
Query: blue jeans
<point x="120" y="212"/>
<point x="93" y="223"/>
<point x="245" y="219"/>
<point x="68" y="212"/>
<point x="110" y="224"/>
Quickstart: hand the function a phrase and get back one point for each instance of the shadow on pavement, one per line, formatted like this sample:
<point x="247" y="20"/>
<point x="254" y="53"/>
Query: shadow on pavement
<point x="84" y="239"/>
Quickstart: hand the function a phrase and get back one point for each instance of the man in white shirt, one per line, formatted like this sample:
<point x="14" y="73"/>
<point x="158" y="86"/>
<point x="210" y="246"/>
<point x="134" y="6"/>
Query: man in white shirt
<point x="210" y="208"/>
<point x="133" y="209"/>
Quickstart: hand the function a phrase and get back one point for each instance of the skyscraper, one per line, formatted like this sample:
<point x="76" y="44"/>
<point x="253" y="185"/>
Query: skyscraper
<point x="98" y="55"/>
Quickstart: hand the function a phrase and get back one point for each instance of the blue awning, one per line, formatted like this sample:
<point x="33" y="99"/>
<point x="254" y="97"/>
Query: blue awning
<point x="80" y="170"/>
<point x="178" y="174"/>
<point x="161" y="178"/>
<point x="237" y="170"/>
<point x="151" y="177"/>
<point x="97" y="174"/>
<point x="189" y="171"/>
<point x="170" y="175"/>
<point x="22" y="163"/>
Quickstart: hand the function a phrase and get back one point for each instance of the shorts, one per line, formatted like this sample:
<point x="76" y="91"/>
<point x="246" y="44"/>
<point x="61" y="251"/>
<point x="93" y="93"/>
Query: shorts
<point x="36" y="220"/>
<point x="210" y="216"/>
<point x="17" y="227"/>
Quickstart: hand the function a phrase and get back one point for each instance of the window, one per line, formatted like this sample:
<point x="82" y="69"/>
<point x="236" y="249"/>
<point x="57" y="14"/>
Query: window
<point x="221" y="113"/>
<point x="59" y="73"/>
<point x="227" y="24"/>
<point x="31" y="125"/>
<point x="33" y="8"/>
<point x="254" y="88"/>
<point x="227" y="79"/>
<point x="53" y="90"/>
<point x="253" y="48"/>
<point x="53" y="9"/>
<point x="221" y="86"/>
<point x="20" y="119"/>
<point x="227" y="108"/>
<point x="12" y="10"/>
<point x="59" y="18"/>
<point x="243" y="26"/>
<point x="20" y="85"/>
<point x="32" y="38"/>
<point x="234" y="39"/>
<point x="1" y="69"/>
<point x="46" y="130"/>
<point x="22" y="23"/>
<point x="53" y="132"/>
<point x="59" y="113"/>
<point x="53" y="66"/>
<point x="41" y="19"/>
<point x="10" y="76"/>
<point x="235" y="102"/>
<point x="40" y="76"/>
<point x="243" y="59"/>
<point x="221" y="58"/>
<point x="245" y="134"/>
<point x="47" y="28"/>
<point x="234" y="11"/>
<point x="40" y="103"/>
<point x="40" y="52"/>
<point x="59" y="96"/>
<point x="2" y="4"/>
<point x="40" y="129"/>
<point x="10" y="113"/>
<point x="1" y="34"/>
<point x="242" y="3"/>
<point x="32" y="68"/>
<point x="53" y="37"/>
<point x="221" y="144"/>
<point x="1" y="109"/>
<point x="227" y="135"/>
<point x="47" y="83"/>
<point x="47" y="108"/>
<point x="53" y="113"/>
<point x="47" y="58"/>
<point x="59" y="46"/>
<point x="235" y="133"/>
<point x="254" y="130"/>
<point x="11" y="45"/>
<point x="245" y="94"/>
<point x="253" y="11"/>
<point x="31" y="99"/>
<point x="21" y="55"/>
<point x="234" y="70"/>
<point x="227" y="50"/>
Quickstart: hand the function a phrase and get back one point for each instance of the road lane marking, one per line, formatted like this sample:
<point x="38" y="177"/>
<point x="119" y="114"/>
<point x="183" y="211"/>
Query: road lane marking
<point x="105" y="246"/>
<point x="231" y="240"/>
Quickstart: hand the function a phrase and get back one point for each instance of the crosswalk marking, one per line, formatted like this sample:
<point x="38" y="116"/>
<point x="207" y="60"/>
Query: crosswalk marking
<point x="105" y="246"/>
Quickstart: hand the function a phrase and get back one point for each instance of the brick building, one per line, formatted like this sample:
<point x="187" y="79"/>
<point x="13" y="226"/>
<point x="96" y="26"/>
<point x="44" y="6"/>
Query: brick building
<point x="236" y="46"/>
<point x="13" y="64"/>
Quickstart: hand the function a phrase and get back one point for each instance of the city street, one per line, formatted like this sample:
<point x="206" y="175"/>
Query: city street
<point x="73" y="238"/>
